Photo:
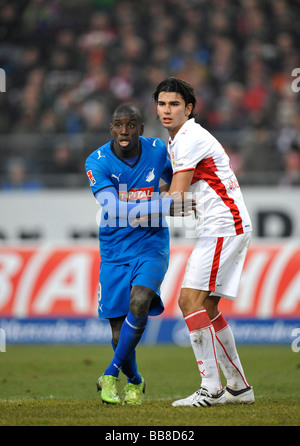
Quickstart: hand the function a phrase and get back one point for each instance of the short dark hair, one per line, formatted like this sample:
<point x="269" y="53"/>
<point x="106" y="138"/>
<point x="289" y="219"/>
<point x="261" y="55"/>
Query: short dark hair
<point x="172" y="84"/>
<point x="129" y="109"/>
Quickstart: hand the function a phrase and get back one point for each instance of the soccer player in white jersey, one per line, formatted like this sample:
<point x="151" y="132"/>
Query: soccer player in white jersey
<point x="201" y="166"/>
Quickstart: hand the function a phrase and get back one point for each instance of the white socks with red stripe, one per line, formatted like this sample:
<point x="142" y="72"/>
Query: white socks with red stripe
<point x="213" y="343"/>
<point x="203" y="341"/>
<point x="228" y="357"/>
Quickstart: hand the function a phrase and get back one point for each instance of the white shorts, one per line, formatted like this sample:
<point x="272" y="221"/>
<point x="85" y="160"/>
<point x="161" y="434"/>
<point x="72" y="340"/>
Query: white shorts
<point x="216" y="265"/>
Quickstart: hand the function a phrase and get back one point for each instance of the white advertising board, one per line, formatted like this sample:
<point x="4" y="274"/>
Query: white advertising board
<point x="61" y="215"/>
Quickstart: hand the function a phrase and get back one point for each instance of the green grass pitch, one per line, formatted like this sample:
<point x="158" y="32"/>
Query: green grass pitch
<point x="56" y="386"/>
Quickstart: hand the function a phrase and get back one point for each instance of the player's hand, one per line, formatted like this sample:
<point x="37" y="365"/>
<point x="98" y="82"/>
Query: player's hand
<point x="182" y="206"/>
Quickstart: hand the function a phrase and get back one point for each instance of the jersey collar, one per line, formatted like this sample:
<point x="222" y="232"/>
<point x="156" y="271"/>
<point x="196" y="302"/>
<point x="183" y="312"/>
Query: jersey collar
<point x="182" y="130"/>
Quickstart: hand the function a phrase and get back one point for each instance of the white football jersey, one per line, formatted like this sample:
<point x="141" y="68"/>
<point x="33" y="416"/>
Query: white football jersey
<point x="221" y="210"/>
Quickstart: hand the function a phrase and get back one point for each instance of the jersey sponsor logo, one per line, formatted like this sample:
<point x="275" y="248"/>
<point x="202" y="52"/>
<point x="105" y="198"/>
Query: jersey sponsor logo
<point x="233" y="184"/>
<point x="137" y="194"/>
<point x="91" y="177"/>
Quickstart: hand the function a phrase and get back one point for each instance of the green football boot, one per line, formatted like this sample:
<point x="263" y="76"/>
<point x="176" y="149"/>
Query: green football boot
<point x="107" y="384"/>
<point x="133" y="393"/>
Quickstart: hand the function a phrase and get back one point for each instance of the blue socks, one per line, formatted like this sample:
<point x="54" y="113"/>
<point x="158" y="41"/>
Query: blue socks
<point x="124" y="357"/>
<point x="129" y="368"/>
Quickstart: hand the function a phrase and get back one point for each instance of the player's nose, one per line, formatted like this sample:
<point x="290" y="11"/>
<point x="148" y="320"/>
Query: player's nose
<point x="124" y="130"/>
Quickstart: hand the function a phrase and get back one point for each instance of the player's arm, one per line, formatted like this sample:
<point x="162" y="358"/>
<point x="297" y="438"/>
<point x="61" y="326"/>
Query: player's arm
<point x="109" y="200"/>
<point x="181" y="181"/>
<point x="163" y="187"/>
<point x="168" y="205"/>
<point x="179" y="187"/>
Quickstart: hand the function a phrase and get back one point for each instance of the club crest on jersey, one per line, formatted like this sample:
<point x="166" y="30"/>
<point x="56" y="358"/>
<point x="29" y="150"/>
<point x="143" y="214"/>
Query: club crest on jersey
<point x="173" y="159"/>
<point x="149" y="175"/>
<point x="91" y="177"/>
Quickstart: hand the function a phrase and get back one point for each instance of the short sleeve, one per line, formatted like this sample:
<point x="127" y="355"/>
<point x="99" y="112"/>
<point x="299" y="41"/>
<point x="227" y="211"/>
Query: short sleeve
<point x="97" y="174"/>
<point x="188" y="152"/>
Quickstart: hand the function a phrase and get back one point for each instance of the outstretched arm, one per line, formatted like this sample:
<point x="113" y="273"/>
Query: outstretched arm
<point x="109" y="199"/>
<point x="169" y="205"/>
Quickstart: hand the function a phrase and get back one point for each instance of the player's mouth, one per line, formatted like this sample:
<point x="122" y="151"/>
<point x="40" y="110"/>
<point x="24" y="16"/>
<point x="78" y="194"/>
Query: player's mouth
<point x="166" y="120"/>
<point x="124" y="142"/>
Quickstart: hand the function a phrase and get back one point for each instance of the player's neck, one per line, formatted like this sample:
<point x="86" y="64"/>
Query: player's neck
<point x="124" y="154"/>
<point x="173" y="131"/>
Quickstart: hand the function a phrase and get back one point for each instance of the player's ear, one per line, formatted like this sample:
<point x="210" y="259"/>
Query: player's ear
<point x="142" y="129"/>
<point x="188" y="109"/>
<point x="110" y="128"/>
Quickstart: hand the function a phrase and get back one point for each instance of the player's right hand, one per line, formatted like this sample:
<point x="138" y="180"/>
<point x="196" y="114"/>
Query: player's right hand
<point x="182" y="205"/>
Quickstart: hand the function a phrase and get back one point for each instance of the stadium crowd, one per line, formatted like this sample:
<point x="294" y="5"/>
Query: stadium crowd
<point x="69" y="63"/>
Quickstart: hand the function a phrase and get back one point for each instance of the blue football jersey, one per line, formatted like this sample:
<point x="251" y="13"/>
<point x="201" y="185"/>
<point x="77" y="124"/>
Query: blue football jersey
<point x="119" y="241"/>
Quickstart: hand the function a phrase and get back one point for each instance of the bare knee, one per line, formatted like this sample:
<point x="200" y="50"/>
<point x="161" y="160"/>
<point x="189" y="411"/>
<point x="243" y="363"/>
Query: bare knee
<point x="191" y="300"/>
<point x="140" y="300"/>
<point x="183" y="302"/>
<point x="211" y="306"/>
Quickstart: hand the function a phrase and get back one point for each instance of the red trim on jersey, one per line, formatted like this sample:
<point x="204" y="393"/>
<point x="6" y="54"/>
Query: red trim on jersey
<point x="184" y="170"/>
<point x="206" y="170"/>
<point x="215" y="265"/>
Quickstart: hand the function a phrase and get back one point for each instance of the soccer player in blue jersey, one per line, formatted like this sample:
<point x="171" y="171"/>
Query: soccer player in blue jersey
<point x="124" y="176"/>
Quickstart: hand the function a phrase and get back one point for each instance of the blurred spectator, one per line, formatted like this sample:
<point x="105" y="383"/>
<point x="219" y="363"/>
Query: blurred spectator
<point x="288" y="145"/>
<point x="18" y="177"/>
<point x="95" y="115"/>
<point x="236" y="160"/>
<point x="292" y="167"/>
<point x="289" y="135"/>
<point x="230" y="111"/>
<point x="258" y="149"/>
<point x="69" y="64"/>
<point x="64" y="161"/>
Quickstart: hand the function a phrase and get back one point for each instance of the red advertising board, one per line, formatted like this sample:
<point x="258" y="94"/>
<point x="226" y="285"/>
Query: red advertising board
<point x="52" y="280"/>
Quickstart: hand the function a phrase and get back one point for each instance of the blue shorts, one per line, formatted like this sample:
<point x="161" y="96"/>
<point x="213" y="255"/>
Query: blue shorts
<point x="116" y="281"/>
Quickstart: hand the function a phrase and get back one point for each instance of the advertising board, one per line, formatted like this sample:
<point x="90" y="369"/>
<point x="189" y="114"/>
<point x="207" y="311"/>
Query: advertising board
<point x="50" y="290"/>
